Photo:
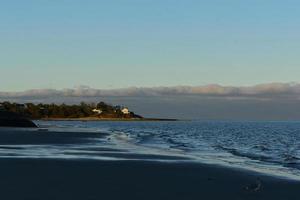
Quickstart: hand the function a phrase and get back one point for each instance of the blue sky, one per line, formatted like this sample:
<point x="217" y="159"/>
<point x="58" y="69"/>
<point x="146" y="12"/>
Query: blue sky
<point x="122" y="43"/>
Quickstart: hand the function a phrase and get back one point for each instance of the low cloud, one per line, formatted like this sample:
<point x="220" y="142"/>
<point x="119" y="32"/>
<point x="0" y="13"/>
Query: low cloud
<point x="263" y="91"/>
<point x="273" y="101"/>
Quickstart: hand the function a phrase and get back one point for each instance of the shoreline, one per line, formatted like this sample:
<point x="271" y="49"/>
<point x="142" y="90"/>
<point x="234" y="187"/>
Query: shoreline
<point x="95" y="179"/>
<point x="106" y="119"/>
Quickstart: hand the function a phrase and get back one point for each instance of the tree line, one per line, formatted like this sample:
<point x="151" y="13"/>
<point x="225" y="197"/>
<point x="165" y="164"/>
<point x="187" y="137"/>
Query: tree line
<point x="40" y="111"/>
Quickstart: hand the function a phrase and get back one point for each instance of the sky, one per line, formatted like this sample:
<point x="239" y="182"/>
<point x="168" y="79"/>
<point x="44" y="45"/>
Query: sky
<point x="147" y="43"/>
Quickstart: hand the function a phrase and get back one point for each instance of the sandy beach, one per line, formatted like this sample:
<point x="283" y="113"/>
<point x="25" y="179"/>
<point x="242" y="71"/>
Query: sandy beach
<point x="64" y="163"/>
<point x="88" y="179"/>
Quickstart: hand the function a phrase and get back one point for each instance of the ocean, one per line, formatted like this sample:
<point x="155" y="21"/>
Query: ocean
<point x="267" y="147"/>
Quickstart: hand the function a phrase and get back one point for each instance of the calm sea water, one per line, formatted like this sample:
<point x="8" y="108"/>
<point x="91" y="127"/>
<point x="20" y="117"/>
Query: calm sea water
<point x="269" y="147"/>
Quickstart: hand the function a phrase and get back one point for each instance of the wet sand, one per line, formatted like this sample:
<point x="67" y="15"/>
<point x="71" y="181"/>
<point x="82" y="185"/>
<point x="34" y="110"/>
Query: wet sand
<point x="31" y="179"/>
<point x="87" y="179"/>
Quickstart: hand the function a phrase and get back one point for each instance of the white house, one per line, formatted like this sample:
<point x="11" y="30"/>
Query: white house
<point x="125" y="111"/>
<point x="98" y="111"/>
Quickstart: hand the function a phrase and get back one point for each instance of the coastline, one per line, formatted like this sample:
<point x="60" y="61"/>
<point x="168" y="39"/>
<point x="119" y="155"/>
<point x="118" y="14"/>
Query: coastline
<point x="106" y="119"/>
<point x="95" y="179"/>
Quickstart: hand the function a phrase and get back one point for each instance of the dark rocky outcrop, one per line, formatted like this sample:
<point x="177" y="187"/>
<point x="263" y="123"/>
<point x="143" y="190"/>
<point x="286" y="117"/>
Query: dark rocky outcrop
<point x="10" y="119"/>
